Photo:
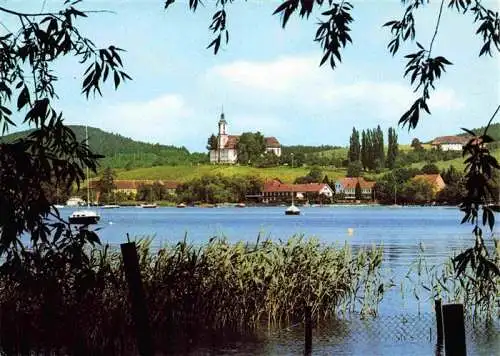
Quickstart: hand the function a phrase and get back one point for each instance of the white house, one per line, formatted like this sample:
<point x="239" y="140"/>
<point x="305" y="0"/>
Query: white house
<point x="347" y="187"/>
<point x="449" y="143"/>
<point x="276" y="191"/>
<point x="226" y="152"/>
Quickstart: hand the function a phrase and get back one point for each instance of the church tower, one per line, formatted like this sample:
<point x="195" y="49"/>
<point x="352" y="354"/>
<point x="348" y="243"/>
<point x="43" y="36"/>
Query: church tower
<point x="222" y="124"/>
<point x="222" y="137"/>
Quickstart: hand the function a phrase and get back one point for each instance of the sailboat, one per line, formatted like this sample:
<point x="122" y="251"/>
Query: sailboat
<point x="85" y="217"/>
<point x="111" y="206"/>
<point x="151" y="205"/>
<point x="292" y="209"/>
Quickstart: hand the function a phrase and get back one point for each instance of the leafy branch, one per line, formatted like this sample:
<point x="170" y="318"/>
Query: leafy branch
<point x="51" y="154"/>
<point x="480" y="181"/>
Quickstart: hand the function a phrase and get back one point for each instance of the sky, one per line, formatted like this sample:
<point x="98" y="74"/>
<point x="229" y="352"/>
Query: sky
<point x="268" y="79"/>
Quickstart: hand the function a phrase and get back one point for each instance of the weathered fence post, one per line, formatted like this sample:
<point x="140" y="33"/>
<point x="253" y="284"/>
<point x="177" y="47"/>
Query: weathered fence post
<point x="137" y="300"/>
<point x="454" y="330"/>
<point x="439" y="320"/>
<point x="308" y="330"/>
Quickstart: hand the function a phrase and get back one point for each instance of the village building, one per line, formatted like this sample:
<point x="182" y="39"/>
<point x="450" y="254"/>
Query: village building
<point x="275" y="191"/>
<point x="226" y="151"/>
<point x="435" y="180"/>
<point x="449" y="143"/>
<point x="346" y="188"/>
<point x="130" y="187"/>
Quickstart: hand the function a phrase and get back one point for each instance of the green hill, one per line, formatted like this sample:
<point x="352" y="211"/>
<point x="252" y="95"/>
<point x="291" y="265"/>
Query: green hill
<point x="124" y="152"/>
<point x="493" y="131"/>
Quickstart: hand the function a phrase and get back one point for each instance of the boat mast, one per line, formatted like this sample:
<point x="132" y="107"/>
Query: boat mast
<point x="87" y="168"/>
<point x="292" y="182"/>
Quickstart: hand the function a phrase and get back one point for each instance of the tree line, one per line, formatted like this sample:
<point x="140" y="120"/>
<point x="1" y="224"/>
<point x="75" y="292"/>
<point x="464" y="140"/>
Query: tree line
<point x="369" y="151"/>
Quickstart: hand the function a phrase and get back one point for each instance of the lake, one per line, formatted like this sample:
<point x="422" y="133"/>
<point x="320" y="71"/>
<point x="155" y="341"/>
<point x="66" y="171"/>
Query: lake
<point x="400" y="328"/>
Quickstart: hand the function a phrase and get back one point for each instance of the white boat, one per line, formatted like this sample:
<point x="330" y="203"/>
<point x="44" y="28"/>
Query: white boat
<point x="59" y="206"/>
<point x="110" y="206"/>
<point x="292" y="209"/>
<point x="148" y="206"/>
<point x="85" y="217"/>
<point x="181" y="205"/>
<point x="75" y="201"/>
<point x="240" y="205"/>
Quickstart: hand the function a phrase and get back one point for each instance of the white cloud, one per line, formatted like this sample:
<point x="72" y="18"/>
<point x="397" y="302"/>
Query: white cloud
<point x="282" y="75"/>
<point x="162" y="119"/>
<point x="299" y="82"/>
<point x="268" y="125"/>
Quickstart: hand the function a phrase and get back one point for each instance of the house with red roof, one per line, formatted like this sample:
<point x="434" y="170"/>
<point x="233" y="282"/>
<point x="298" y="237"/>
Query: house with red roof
<point x="226" y="151"/>
<point x="346" y="187"/>
<point x="435" y="180"/>
<point x="275" y="191"/>
<point x="449" y="143"/>
<point x="130" y="187"/>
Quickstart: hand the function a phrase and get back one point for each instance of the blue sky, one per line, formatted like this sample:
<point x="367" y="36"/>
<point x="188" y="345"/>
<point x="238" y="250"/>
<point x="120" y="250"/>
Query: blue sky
<point x="268" y="79"/>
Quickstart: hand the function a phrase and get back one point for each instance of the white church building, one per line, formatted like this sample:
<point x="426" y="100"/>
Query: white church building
<point x="226" y="152"/>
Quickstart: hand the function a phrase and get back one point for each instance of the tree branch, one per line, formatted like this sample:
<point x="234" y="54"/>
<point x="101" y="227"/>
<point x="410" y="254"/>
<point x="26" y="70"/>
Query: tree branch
<point x="436" y="29"/>
<point x="24" y="14"/>
<point x="491" y="119"/>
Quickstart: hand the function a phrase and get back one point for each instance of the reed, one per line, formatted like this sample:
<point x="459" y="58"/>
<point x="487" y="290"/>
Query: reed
<point x="479" y="294"/>
<point x="189" y="289"/>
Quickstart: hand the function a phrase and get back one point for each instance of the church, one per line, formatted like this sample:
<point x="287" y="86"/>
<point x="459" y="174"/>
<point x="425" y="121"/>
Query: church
<point x="227" y="152"/>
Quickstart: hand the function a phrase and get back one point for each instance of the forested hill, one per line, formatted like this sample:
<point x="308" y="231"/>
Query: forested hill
<point x="123" y="152"/>
<point x="493" y="131"/>
<point x="307" y="149"/>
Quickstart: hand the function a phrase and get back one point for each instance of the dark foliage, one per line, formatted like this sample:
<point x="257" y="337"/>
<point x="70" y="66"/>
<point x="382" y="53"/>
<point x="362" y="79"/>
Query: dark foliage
<point x="123" y="152"/>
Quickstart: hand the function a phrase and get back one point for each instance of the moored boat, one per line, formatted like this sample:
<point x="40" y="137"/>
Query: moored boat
<point x="110" y="206"/>
<point x="181" y="205"/>
<point x="240" y="205"/>
<point x="292" y="210"/>
<point x="148" y="206"/>
<point x="84" y="217"/>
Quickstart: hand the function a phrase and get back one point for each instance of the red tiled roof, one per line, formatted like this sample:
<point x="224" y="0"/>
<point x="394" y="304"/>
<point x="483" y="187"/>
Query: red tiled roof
<point x="431" y="178"/>
<point x="274" y="186"/>
<point x="171" y="185"/>
<point x="450" y="140"/>
<point x="351" y="182"/>
<point x="232" y="141"/>
<point x="272" y="142"/>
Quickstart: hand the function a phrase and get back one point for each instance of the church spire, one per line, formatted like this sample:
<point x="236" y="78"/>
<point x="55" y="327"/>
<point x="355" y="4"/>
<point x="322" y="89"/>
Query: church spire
<point x="222" y="119"/>
<point x="222" y="123"/>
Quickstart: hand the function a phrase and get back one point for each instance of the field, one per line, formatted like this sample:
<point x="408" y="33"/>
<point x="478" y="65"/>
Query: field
<point x="186" y="173"/>
<point x="457" y="162"/>
<point x="182" y="173"/>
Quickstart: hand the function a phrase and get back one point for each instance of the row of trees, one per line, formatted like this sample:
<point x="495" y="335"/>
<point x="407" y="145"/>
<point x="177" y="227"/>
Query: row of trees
<point x="370" y="151"/>
<point x="215" y="189"/>
<point x="400" y="187"/>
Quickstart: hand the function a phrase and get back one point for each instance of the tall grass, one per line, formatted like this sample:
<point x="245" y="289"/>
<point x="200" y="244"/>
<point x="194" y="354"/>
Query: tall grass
<point x="190" y="289"/>
<point x="479" y="295"/>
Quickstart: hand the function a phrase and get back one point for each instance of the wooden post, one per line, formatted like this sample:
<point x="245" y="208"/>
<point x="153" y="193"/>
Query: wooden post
<point x="137" y="300"/>
<point x="454" y="330"/>
<point x="308" y="331"/>
<point x="439" y="320"/>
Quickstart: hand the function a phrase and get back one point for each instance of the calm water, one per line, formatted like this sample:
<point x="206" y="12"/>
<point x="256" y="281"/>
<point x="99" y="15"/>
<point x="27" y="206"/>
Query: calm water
<point x="399" y="230"/>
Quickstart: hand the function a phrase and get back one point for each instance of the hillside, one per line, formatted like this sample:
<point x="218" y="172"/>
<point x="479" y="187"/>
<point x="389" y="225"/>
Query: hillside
<point x="124" y="152"/>
<point x="185" y="173"/>
<point x="493" y="131"/>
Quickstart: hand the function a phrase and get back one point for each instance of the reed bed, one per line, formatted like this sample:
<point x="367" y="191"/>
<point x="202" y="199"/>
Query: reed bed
<point x="190" y="289"/>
